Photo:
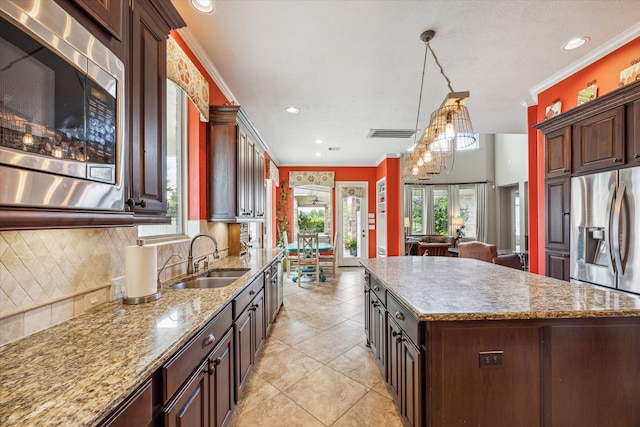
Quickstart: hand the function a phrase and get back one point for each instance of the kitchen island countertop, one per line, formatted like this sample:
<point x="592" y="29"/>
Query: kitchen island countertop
<point x="77" y="372"/>
<point x="448" y="288"/>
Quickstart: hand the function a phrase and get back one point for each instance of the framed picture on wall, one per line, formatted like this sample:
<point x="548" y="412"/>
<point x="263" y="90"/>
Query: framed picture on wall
<point x="587" y="94"/>
<point x="553" y="109"/>
<point x="630" y="74"/>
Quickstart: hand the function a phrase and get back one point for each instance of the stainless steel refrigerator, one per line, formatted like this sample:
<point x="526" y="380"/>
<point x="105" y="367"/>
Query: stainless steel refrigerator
<point x="605" y="229"/>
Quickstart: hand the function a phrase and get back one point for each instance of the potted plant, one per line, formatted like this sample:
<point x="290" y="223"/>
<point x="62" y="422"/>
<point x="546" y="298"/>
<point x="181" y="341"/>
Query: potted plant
<point x="351" y="244"/>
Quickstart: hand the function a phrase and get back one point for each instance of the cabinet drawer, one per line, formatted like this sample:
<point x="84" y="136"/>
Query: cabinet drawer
<point x="378" y="288"/>
<point x="245" y="297"/>
<point x="181" y="365"/>
<point x="404" y="318"/>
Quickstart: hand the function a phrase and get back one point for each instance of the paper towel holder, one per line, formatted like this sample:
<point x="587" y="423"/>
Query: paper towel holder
<point x="154" y="296"/>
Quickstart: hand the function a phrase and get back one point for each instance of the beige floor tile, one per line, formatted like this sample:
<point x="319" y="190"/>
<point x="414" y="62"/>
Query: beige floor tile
<point x="279" y="411"/>
<point x="345" y="309"/>
<point x="326" y="394"/>
<point x="323" y="319"/>
<point x="372" y="410"/>
<point x="255" y="391"/>
<point x="359" y="365"/>
<point x="382" y="390"/>
<point x="293" y="332"/>
<point x="286" y="367"/>
<point x="328" y="345"/>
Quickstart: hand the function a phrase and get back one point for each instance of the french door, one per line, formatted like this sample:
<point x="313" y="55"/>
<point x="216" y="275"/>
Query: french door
<point x="351" y="219"/>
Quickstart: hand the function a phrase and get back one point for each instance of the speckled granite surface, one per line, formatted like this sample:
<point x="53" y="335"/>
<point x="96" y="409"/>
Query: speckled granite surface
<point x="447" y="288"/>
<point x="76" y="373"/>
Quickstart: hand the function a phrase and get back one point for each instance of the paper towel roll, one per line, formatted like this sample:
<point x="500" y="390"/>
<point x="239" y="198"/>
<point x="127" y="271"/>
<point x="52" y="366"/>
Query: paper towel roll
<point x="141" y="269"/>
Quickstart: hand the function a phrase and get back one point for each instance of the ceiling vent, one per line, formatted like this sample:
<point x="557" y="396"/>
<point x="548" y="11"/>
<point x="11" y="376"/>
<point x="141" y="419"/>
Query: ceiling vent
<point x="334" y="148"/>
<point x="391" y="133"/>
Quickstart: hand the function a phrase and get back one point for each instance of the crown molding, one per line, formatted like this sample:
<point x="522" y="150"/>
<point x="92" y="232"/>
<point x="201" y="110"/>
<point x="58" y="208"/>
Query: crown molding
<point x="202" y="56"/>
<point x="608" y="47"/>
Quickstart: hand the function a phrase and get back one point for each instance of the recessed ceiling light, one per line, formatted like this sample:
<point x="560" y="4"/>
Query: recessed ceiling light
<point x="204" y="6"/>
<point x="318" y="141"/>
<point x="575" y="43"/>
<point x="293" y="110"/>
<point x="318" y="154"/>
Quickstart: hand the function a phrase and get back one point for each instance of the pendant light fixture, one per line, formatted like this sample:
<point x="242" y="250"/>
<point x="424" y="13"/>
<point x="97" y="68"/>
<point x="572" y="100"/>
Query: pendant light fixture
<point x="449" y="127"/>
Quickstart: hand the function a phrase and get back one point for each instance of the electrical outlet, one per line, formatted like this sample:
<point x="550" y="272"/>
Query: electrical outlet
<point x="95" y="298"/>
<point x="490" y="359"/>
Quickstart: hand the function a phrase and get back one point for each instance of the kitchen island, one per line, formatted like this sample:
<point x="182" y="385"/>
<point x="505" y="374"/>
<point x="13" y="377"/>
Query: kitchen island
<point x="78" y="372"/>
<point x="465" y="342"/>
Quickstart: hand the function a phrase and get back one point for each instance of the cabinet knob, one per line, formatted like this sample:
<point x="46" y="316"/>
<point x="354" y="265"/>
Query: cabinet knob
<point x="132" y="203"/>
<point x="217" y="361"/>
<point x="395" y="334"/>
<point x="615" y="160"/>
<point x="376" y="288"/>
<point x="252" y="292"/>
<point x="399" y="315"/>
<point x="366" y="291"/>
<point x="208" y="368"/>
<point x="636" y="156"/>
<point x="208" y="340"/>
<point x="566" y="213"/>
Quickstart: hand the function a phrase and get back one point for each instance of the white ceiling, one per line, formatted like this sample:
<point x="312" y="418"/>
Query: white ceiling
<point x="351" y="66"/>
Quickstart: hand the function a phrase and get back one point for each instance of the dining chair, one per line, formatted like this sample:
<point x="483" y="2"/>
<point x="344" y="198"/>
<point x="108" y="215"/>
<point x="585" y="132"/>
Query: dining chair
<point x="328" y="260"/>
<point x="292" y="258"/>
<point x="308" y="258"/>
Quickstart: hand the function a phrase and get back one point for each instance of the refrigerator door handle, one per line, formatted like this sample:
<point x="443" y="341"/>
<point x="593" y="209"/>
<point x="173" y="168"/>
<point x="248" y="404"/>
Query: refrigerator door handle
<point x="608" y="230"/>
<point x="617" y="212"/>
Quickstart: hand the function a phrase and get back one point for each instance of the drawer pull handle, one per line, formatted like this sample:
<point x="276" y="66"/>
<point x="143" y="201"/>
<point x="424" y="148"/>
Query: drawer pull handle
<point x="399" y="315"/>
<point x="217" y="361"/>
<point x="252" y="292"/>
<point x="395" y="334"/>
<point x="208" y="340"/>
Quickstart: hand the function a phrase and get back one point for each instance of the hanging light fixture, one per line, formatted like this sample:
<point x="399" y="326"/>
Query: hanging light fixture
<point x="449" y="127"/>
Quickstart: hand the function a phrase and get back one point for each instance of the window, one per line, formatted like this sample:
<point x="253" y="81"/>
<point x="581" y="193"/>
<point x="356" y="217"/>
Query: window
<point x="431" y="208"/>
<point x="176" y="166"/>
<point x="312" y="211"/>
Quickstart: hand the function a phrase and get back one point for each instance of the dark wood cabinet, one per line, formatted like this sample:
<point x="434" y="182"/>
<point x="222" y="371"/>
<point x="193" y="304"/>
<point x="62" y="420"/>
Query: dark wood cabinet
<point x="599" y="142"/>
<point x="405" y="373"/>
<point x="107" y="13"/>
<point x="271" y="291"/>
<point x="136" y="410"/>
<point x="190" y="408"/>
<point x="221" y="381"/>
<point x="147" y="96"/>
<point x="557" y="152"/>
<point x="377" y="333"/>
<point x="233" y="166"/>
<point x="250" y="335"/>
<point x="557" y="265"/>
<point x="634" y="134"/>
<point x="558" y="213"/>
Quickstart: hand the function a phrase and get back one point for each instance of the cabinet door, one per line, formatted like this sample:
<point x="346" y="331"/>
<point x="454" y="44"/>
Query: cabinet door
<point x="268" y="298"/>
<point x="222" y="146"/>
<point x="245" y="175"/>
<point x="259" y="330"/>
<point x="557" y="265"/>
<point x="411" y="382"/>
<point x="598" y="141"/>
<point x="243" y="348"/>
<point x="557" y="152"/>
<point x="137" y="410"/>
<point x="394" y="359"/>
<point x="190" y="408"/>
<point x="367" y="313"/>
<point x="221" y="393"/>
<point x="378" y="333"/>
<point x="634" y="143"/>
<point x="106" y="13"/>
<point x="557" y="213"/>
<point x="148" y="113"/>
<point x="258" y="182"/>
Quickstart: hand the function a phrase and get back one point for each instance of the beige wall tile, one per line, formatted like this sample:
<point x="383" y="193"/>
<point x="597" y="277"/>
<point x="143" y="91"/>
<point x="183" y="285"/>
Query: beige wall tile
<point x="62" y="310"/>
<point x="11" y="328"/>
<point x="37" y="320"/>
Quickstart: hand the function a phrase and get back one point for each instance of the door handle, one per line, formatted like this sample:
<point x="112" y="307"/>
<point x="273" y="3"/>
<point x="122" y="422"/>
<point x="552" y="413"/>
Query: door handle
<point x="608" y="231"/>
<point x="617" y="212"/>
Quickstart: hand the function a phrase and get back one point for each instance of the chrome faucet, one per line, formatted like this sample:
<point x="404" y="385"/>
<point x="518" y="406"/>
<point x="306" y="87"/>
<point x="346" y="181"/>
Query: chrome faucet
<point x="190" y="267"/>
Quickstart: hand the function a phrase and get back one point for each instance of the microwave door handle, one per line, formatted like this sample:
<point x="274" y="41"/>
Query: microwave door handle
<point x="617" y="212"/>
<point x="608" y="230"/>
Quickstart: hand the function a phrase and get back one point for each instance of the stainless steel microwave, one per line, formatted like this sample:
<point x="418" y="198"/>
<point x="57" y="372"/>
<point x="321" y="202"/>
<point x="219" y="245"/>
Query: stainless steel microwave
<point x="61" y="112"/>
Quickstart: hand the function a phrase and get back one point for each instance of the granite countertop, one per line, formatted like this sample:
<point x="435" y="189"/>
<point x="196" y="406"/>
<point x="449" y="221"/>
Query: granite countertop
<point x="448" y="288"/>
<point x="77" y="372"/>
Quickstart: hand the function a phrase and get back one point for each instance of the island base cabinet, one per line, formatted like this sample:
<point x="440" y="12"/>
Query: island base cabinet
<point x="465" y="392"/>
<point x="405" y="379"/>
<point x="593" y="375"/>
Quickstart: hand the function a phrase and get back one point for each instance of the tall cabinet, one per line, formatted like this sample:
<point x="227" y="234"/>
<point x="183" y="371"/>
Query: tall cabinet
<point x="381" y="218"/>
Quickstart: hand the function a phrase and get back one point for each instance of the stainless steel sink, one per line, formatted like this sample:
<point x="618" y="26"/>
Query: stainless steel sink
<point x="227" y="273"/>
<point x="205" y="283"/>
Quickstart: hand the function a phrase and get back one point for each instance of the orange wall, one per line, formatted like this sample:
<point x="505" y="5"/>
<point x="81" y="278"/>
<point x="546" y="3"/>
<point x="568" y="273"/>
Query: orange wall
<point x="342" y="174"/>
<point x="390" y="169"/>
<point x="606" y="72"/>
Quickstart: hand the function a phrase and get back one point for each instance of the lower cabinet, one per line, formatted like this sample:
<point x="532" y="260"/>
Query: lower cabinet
<point x="250" y="334"/>
<point x="137" y="410"/>
<point x="557" y="265"/>
<point x="190" y="407"/>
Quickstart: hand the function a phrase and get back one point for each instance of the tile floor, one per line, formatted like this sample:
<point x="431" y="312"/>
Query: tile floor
<point x="315" y="368"/>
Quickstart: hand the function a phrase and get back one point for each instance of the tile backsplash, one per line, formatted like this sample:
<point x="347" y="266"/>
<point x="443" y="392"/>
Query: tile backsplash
<point x="49" y="276"/>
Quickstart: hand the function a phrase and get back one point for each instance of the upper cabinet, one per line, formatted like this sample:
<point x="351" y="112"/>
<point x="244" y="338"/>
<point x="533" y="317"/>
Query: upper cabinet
<point x="151" y="23"/>
<point x="598" y="141"/>
<point x="634" y="134"/>
<point x="557" y="152"/>
<point x="235" y="167"/>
